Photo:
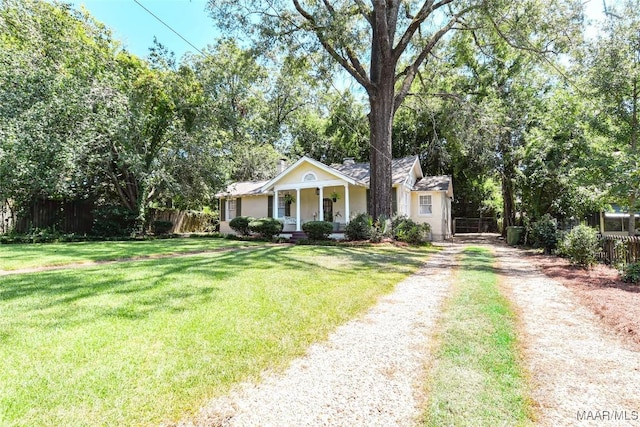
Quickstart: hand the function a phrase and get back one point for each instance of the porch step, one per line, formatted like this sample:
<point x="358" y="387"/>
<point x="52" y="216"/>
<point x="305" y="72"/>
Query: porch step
<point x="297" y="235"/>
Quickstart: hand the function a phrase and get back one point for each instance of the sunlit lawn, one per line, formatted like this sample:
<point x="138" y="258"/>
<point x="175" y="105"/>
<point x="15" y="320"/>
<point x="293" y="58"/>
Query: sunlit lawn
<point x="18" y="256"/>
<point x="145" y="342"/>
<point x="477" y="378"/>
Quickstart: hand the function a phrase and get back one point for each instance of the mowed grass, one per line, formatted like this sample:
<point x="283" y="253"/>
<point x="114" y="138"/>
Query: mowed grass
<point x="476" y="378"/>
<point x="20" y="256"/>
<point x="146" y="342"/>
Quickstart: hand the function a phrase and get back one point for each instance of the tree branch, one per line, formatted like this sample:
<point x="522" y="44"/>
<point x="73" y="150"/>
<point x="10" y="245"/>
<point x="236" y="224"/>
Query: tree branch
<point x="411" y="70"/>
<point x="381" y="29"/>
<point x="354" y="67"/>
<point x="363" y="11"/>
<point x="512" y="44"/>
<point x="420" y="17"/>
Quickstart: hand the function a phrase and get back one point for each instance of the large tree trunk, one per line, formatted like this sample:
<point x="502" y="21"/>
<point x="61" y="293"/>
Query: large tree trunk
<point x="380" y="122"/>
<point x="381" y="103"/>
<point x="509" y="209"/>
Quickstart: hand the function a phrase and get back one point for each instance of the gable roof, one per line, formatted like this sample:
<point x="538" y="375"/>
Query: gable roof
<point x="433" y="183"/>
<point x="400" y="169"/>
<point x="353" y="173"/>
<point x="338" y="174"/>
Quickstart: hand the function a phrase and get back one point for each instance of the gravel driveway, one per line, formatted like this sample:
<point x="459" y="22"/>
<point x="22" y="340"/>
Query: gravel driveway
<point x="582" y="374"/>
<point x="370" y="372"/>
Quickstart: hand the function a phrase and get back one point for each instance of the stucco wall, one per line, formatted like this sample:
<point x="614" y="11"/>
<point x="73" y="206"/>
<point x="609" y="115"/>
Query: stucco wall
<point x="255" y="206"/>
<point x="440" y="208"/>
<point x="358" y="200"/>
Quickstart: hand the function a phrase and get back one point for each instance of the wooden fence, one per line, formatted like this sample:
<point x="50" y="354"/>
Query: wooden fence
<point x="77" y="217"/>
<point x="184" y="221"/>
<point x="619" y="249"/>
<point x="475" y="225"/>
<point x="65" y="216"/>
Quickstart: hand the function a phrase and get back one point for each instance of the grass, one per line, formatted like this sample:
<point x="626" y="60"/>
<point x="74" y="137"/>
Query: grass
<point x="476" y="378"/>
<point x="19" y="256"/>
<point x="146" y="342"/>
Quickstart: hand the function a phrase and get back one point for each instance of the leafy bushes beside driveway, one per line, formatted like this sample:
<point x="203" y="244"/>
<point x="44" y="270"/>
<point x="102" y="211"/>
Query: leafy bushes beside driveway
<point x="580" y="245"/>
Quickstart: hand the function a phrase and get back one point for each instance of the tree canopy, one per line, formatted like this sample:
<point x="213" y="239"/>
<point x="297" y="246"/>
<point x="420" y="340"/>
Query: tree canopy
<point x="504" y="96"/>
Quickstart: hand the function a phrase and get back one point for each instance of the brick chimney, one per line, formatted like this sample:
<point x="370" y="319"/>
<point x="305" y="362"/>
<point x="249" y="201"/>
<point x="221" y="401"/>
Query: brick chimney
<point x="282" y="165"/>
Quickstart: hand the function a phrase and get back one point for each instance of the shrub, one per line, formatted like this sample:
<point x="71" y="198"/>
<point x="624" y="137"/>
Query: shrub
<point x="406" y="230"/>
<point x="317" y="230"/>
<point x="240" y="225"/>
<point x="161" y="227"/>
<point x="631" y="272"/>
<point x="359" y="228"/>
<point x="266" y="227"/>
<point x="581" y="245"/>
<point x="113" y="221"/>
<point x="544" y="233"/>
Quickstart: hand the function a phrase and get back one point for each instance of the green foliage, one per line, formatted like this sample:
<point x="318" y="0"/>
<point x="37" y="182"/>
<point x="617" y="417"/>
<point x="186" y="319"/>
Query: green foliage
<point x="139" y="333"/>
<point x="113" y="221"/>
<point x="407" y="230"/>
<point x="359" y="228"/>
<point x="240" y="225"/>
<point x="161" y="227"/>
<point x="631" y="273"/>
<point x="544" y="233"/>
<point x="580" y="245"/>
<point x="317" y="230"/>
<point x="267" y="228"/>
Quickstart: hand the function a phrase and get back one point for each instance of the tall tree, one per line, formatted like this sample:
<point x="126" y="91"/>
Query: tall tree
<point x="50" y="60"/>
<point x="382" y="45"/>
<point x="614" y="72"/>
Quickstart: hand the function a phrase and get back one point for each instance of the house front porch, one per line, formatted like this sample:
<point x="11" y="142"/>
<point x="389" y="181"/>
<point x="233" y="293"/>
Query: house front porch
<point x="297" y="205"/>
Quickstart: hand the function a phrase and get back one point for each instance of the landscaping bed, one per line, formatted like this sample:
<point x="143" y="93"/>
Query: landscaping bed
<point x="600" y="288"/>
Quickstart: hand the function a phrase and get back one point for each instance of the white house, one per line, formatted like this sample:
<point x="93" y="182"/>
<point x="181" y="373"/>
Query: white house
<point x="309" y="190"/>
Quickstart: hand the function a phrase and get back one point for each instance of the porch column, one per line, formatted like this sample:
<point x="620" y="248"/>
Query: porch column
<point x="298" y="223"/>
<point x="275" y="204"/>
<point x="347" y="208"/>
<point x="320" y="207"/>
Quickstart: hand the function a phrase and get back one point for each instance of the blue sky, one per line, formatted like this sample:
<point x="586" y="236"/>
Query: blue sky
<point x="135" y="27"/>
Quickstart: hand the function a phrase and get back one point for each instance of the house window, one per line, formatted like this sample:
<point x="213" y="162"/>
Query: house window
<point x="309" y="176"/>
<point x="231" y="209"/>
<point x="284" y="209"/>
<point x="425" y="205"/>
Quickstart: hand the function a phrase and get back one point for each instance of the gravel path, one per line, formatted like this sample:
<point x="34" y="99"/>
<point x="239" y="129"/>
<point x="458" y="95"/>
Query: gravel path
<point x="370" y="372"/>
<point x="582" y="374"/>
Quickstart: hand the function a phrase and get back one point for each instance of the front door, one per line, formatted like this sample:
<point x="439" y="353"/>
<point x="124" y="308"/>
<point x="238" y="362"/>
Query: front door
<point x="327" y="209"/>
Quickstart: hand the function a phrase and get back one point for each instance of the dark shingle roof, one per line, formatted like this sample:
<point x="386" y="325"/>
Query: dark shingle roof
<point x="400" y="169"/>
<point x="433" y="183"/>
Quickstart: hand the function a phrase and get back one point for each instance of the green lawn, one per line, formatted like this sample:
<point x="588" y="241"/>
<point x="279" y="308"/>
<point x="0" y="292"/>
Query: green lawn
<point x="144" y="342"/>
<point x="476" y="378"/>
<point x="13" y="257"/>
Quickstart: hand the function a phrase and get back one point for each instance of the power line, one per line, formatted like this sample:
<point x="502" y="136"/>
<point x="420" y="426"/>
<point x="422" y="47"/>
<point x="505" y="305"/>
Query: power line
<point x="297" y="40"/>
<point x="169" y="27"/>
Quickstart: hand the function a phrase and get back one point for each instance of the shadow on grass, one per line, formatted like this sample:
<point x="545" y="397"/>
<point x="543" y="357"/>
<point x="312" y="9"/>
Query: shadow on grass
<point x="135" y="290"/>
<point x="39" y="255"/>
